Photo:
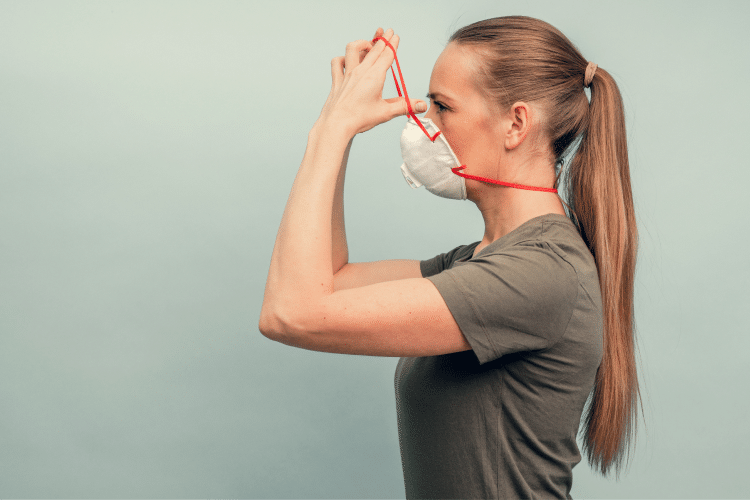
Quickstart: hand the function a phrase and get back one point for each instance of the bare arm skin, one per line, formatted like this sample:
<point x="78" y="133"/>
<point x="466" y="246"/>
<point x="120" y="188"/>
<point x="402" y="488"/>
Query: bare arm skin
<point x="353" y="275"/>
<point x="360" y="274"/>
<point x="313" y="298"/>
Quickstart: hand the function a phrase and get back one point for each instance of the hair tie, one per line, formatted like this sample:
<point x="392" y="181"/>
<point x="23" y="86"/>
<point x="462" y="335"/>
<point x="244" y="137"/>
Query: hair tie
<point x="590" y="70"/>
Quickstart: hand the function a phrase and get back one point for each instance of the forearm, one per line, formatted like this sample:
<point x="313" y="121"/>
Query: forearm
<point x="340" y="249"/>
<point x="302" y="265"/>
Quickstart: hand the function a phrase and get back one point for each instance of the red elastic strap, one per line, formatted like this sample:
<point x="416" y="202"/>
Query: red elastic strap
<point x="456" y="170"/>
<point x="406" y="96"/>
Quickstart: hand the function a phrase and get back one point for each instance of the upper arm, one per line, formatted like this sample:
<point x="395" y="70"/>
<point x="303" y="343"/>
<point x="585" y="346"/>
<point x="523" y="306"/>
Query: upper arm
<point x="406" y="317"/>
<point x="355" y="275"/>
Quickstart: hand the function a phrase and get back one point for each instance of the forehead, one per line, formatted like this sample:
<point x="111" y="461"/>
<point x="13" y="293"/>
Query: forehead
<point x="455" y="71"/>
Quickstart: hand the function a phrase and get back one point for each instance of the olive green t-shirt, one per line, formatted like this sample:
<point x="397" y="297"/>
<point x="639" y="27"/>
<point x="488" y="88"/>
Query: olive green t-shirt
<point x="500" y="420"/>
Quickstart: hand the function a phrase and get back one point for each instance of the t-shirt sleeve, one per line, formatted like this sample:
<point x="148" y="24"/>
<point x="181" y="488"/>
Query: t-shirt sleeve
<point x="519" y="299"/>
<point x="444" y="261"/>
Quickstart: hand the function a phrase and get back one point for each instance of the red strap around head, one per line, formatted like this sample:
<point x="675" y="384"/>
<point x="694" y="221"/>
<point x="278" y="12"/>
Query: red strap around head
<point x="457" y="171"/>
<point x="406" y="96"/>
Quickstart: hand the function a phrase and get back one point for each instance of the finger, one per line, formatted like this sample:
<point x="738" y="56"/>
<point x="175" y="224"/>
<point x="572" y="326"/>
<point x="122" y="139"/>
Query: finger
<point x="397" y="106"/>
<point x="362" y="55"/>
<point x="337" y="70"/>
<point x="378" y="48"/>
<point x="393" y="39"/>
<point x="385" y="59"/>
<point x="351" y="59"/>
<point x="378" y="33"/>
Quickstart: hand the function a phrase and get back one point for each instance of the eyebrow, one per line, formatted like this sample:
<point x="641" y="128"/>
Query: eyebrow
<point x="437" y="95"/>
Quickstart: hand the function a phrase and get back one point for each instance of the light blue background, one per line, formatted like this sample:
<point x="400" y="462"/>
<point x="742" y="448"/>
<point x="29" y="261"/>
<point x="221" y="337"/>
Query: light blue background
<point x="146" y="152"/>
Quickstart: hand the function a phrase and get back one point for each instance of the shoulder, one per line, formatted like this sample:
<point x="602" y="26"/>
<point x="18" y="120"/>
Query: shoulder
<point x="535" y="270"/>
<point x="540" y="255"/>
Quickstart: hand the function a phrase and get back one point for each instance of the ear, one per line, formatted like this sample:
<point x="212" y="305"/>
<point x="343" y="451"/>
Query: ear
<point x="519" y="124"/>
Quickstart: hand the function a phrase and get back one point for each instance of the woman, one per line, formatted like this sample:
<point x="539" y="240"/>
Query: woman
<point x="501" y="340"/>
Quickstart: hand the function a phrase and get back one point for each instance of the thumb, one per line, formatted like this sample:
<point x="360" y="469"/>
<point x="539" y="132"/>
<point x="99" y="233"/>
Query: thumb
<point x="398" y="106"/>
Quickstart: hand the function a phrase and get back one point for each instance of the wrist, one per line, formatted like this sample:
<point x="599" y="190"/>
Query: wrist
<point x="334" y="127"/>
<point x="332" y="123"/>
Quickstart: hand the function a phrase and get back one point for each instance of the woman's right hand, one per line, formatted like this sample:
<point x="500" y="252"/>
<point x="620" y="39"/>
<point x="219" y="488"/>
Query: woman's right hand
<point x="334" y="64"/>
<point x="355" y="103"/>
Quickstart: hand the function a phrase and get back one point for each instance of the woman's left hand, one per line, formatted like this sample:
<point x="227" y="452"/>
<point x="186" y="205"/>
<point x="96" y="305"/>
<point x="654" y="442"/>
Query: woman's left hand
<point x="356" y="98"/>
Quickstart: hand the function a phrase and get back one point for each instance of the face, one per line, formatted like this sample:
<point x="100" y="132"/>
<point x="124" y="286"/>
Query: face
<point x="462" y="113"/>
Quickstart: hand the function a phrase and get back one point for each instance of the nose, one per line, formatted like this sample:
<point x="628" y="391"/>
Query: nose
<point x="430" y="112"/>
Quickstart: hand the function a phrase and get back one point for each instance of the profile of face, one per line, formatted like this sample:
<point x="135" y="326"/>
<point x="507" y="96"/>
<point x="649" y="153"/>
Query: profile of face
<point x="478" y="133"/>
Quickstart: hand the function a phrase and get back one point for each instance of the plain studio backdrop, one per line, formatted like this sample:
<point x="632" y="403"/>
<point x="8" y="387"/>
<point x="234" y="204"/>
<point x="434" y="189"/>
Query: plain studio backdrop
<point x="146" y="153"/>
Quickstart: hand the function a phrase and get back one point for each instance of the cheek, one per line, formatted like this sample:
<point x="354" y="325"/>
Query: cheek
<point x="474" y="144"/>
<point x="457" y="142"/>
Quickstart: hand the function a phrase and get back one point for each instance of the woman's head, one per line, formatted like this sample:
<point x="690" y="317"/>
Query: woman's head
<point x="492" y="67"/>
<point x="530" y="75"/>
<point x="484" y="134"/>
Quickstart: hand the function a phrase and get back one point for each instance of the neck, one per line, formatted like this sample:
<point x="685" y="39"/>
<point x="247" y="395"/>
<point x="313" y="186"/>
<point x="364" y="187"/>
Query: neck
<point x="504" y="208"/>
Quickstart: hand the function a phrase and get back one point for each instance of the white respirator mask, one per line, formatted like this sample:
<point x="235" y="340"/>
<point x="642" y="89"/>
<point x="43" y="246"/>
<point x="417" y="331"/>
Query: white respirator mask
<point x="429" y="163"/>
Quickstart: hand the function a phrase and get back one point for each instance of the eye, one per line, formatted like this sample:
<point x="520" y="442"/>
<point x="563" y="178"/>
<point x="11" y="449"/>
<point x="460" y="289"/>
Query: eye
<point x="439" y="105"/>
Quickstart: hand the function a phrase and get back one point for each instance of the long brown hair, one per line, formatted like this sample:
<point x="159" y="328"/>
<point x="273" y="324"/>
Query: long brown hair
<point x="525" y="59"/>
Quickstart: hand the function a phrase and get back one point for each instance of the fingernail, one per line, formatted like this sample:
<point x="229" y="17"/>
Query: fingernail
<point x="421" y="107"/>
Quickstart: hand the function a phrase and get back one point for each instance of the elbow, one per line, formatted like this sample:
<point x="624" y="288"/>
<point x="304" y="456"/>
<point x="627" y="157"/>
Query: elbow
<point x="281" y="324"/>
<point x="268" y="324"/>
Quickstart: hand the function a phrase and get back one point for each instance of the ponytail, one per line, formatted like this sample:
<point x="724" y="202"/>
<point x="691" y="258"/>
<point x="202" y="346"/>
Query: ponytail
<point x="600" y="193"/>
<point x="527" y="59"/>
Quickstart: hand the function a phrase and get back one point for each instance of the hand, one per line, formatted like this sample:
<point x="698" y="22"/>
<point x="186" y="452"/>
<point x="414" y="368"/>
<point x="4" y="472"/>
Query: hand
<point x="356" y="99"/>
